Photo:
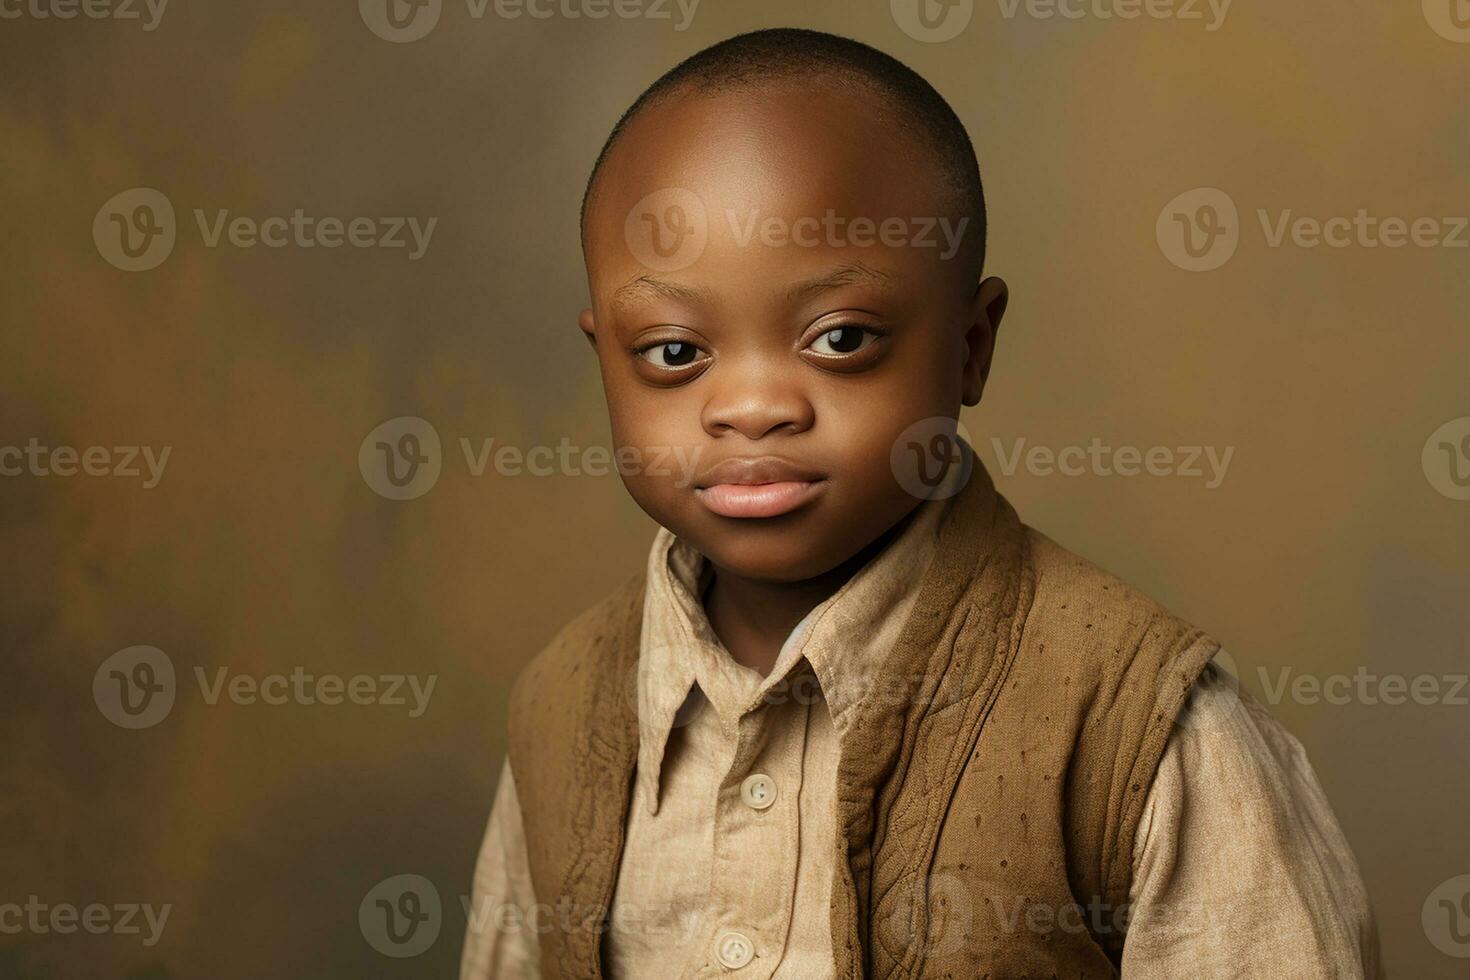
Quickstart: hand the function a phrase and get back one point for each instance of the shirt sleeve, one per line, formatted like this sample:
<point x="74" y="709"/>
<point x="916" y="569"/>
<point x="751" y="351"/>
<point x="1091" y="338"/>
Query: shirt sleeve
<point x="1240" y="868"/>
<point x="500" y="937"/>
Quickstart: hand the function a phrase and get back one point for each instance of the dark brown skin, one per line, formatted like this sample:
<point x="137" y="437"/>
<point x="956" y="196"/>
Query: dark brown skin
<point x="766" y="376"/>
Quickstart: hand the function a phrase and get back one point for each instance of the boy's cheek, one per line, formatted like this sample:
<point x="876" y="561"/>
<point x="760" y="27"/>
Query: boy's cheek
<point x="648" y="430"/>
<point x="668" y="499"/>
<point x="659" y="448"/>
<point x="862" y="430"/>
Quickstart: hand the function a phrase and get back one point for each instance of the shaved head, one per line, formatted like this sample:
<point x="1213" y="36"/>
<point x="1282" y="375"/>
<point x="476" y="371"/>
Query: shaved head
<point x="902" y="98"/>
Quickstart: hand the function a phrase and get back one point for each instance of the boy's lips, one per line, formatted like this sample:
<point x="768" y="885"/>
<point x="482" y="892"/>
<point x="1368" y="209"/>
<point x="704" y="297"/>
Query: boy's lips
<point x="757" y="486"/>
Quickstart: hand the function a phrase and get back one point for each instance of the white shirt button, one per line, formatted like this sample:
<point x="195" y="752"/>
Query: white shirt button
<point x="734" y="949"/>
<point x="758" y="791"/>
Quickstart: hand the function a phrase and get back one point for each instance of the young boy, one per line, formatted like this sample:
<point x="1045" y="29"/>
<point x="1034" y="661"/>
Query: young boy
<point x="856" y="719"/>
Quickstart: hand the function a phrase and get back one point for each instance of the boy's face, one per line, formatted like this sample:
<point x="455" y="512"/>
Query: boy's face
<point x="744" y="319"/>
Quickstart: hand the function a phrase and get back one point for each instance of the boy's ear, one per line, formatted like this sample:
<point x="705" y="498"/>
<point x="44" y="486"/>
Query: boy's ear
<point x="986" y="311"/>
<point x="589" y="327"/>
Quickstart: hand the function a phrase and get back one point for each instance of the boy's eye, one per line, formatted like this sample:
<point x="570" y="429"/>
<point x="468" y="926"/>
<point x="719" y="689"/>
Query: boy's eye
<point x="670" y="355"/>
<point x="842" y="340"/>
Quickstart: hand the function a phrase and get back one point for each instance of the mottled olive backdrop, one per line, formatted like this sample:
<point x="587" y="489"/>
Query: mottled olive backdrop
<point x="186" y="403"/>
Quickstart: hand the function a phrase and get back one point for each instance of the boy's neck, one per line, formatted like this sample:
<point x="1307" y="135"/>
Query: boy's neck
<point x="753" y="617"/>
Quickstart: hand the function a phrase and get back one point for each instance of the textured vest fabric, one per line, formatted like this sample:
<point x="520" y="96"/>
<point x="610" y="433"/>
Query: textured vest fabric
<point x="989" y="788"/>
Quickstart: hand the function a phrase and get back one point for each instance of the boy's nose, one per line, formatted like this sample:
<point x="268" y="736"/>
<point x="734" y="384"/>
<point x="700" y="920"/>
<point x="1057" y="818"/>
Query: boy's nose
<point x="755" y="406"/>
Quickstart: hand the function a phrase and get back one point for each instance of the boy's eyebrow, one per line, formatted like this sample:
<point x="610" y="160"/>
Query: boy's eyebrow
<point x="843" y="275"/>
<point x="630" y="290"/>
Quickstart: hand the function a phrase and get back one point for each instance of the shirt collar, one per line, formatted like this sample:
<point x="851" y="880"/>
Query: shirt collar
<point x="682" y="662"/>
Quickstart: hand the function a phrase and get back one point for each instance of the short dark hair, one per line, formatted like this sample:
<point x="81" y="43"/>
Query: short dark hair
<point x="786" y="53"/>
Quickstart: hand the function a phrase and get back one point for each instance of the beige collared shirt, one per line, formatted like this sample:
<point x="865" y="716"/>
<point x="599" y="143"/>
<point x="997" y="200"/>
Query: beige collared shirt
<point x="1240" y="869"/>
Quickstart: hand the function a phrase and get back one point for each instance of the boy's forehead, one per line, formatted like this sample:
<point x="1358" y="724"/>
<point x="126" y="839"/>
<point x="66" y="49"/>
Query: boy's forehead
<point x="758" y="152"/>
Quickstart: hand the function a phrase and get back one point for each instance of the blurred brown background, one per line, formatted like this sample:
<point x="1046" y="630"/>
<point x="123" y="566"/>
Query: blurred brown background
<point x="1334" y="543"/>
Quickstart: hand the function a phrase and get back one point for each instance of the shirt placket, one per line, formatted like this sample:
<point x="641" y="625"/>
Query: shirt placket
<point x="756" y="837"/>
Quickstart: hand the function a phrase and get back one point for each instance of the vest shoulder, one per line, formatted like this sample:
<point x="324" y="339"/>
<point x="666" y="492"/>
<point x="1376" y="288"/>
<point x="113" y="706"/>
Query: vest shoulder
<point x="581" y="651"/>
<point x="1072" y="591"/>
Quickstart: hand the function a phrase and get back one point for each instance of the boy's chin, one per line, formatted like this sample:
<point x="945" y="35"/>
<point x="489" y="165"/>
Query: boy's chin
<point x="770" y="553"/>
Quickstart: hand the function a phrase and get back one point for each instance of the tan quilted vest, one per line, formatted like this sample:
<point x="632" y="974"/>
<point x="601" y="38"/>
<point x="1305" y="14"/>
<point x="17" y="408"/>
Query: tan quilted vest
<point x="988" y="793"/>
